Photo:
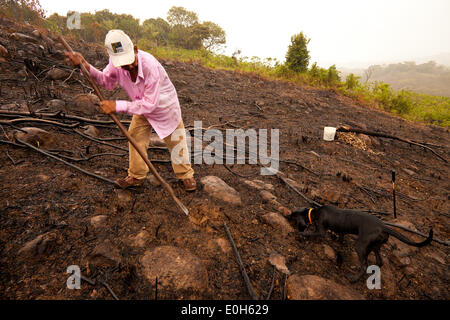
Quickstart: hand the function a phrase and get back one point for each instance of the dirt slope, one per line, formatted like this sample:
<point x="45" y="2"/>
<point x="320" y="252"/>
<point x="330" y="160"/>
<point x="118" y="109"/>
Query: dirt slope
<point x="40" y="196"/>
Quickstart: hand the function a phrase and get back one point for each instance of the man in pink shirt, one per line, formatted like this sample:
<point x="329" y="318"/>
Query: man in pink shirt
<point x="154" y="103"/>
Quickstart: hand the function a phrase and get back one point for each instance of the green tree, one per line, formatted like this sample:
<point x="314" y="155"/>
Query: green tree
<point x="184" y="24"/>
<point x="215" y="36"/>
<point x="156" y="31"/>
<point x="25" y="10"/>
<point x="104" y="15"/>
<point x="129" y="25"/>
<point x="333" y="77"/>
<point x="179" y="16"/>
<point x="351" y="81"/>
<point x="297" y="56"/>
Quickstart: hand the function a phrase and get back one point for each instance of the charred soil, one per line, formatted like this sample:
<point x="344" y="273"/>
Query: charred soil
<point x="46" y="207"/>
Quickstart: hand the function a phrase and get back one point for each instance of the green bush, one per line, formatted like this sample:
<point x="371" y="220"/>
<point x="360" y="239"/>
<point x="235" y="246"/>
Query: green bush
<point x="401" y="103"/>
<point x="297" y="56"/>
<point x="351" y="81"/>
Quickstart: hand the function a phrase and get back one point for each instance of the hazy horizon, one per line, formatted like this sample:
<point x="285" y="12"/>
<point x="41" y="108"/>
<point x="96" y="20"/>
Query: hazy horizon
<point x="348" y="33"/>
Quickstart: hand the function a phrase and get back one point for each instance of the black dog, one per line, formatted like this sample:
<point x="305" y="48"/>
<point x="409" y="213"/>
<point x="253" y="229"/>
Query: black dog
<point x="372" y="232"/>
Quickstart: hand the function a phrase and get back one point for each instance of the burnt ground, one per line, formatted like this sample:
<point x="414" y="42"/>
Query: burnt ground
<point x="40" y="195"/>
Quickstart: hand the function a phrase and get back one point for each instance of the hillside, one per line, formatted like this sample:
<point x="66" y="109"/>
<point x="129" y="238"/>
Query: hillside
<point x="52" y="216"/>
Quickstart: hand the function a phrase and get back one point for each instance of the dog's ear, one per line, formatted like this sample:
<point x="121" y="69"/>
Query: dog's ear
<point x="298" y="212"/>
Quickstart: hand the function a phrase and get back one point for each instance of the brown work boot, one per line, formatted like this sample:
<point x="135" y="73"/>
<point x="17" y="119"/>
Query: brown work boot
<point x="189" y="184"/>
<point x="129" y="182"/>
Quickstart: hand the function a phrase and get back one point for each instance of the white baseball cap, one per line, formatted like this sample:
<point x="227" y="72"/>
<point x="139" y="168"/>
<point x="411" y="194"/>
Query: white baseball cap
<point x="120" y="48"/>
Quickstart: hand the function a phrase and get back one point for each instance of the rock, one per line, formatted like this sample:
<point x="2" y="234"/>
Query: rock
<point x="218" y="189"/>
<point x="98" y="221"/>
<point x="153" y="180"/>
<point x="223" y="244"/>
<point x="267" y="196"/>
<point x="284" y="211"/>
<point x="9" y="106"/>
<point x="436" y="256"/>
<point x="259" y="185"/>
<point x="156" y="141"/>
<point x="177" y="270"/>
<point x="354" y="260"/>
<point x="36" y="33"/>
<point x="42" y="245"/>
<point x="273" y="202"/>
<point x="42" y="177"/>
<point x="299" y="186"/>
<point x="48" y="40"/>
<point x="329" y="252"/>
<point x="410" y="172"/>
<point x="278" y="222"/>
<point x="36" y="137"/>
<point x="140" y="240"/>
<point x="279" y="262"/>
<point x="404" y="261"/>
<point x="124" y="198"/>
<point x="92" y="131"/>
<point x="23" y="37"/>
<point x="59" y="46"/>
<point x="411" y="270"/>
<point x="86" y="103"/>
<point x="332" y="196"/>
<point x="310" y="287"/>
<point x="56" y="104"/>
<point x="57" y="74"/>
<point x="3" y="52"/>
<point x="104" y="254"/>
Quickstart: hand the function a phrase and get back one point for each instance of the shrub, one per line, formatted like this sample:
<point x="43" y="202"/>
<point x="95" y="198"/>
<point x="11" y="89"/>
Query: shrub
<point x="297" y="56"/>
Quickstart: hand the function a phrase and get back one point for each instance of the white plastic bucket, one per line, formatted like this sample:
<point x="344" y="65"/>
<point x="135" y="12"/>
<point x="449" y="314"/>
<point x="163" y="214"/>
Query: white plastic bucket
<point x="329" y="133"/>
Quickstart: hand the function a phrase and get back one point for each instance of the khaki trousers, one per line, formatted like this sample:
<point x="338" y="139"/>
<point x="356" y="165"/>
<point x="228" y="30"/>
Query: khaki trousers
<point x="140" y="129"/>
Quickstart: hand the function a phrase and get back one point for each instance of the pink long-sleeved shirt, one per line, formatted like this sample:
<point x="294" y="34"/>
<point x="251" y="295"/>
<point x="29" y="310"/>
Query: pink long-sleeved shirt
<point x="153" y="94"/>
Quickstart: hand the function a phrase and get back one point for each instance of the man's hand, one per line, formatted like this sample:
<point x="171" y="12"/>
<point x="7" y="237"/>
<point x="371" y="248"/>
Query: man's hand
<point x="77" y="59"/>
<point x="108" y="106"/>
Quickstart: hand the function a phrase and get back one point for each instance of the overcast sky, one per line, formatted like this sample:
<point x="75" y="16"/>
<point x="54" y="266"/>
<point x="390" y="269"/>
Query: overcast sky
<point x="345" y="32"/>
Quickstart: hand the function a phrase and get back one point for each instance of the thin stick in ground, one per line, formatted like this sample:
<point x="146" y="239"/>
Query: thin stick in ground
<point x="272" y="284"/>
<point x="241" y="265"/>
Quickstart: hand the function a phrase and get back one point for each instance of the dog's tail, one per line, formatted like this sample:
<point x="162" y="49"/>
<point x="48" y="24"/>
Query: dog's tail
<point x="402" y="238"/>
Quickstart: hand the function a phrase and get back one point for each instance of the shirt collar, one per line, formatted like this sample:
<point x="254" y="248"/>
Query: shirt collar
<point x="140" y="71"/>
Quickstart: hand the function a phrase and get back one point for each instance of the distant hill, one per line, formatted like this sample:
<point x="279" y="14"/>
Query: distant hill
<point x="441" y="59"/>
<point x="430" y="77"/>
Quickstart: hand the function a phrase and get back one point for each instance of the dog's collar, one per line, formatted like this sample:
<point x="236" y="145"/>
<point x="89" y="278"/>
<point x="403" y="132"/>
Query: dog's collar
<point x="309" y="215"/>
